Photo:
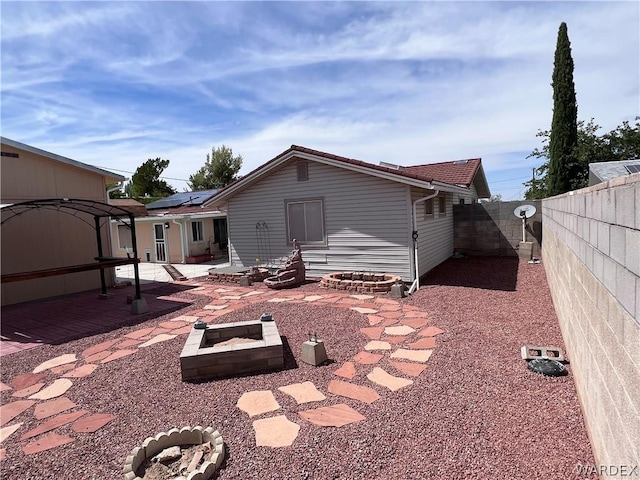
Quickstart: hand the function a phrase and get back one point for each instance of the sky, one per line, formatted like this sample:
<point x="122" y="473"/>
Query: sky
<point x="113" y="84"/>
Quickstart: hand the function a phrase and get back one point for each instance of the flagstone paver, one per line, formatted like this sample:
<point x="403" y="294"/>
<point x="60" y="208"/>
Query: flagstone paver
<point x="92" y="423"/>
<point x="258" y="402"/>
<point x="364" y="310"/>
<point x="399" y="330"/>
<point x="57" y="388"/>
<point x="98" y="356"/>
<point x="216" y="307"/>
<point x="98" y="348"/>
<point x="389" y="307"/>
<point x="408" y="368"/>
<point x="396" y="340"/>
<point x="28" y="391"/>
<point x="7" y="431"/>
<point x="374" y="319"/>
<point x="129" y="342"/>
<point x="415" y="322"/>
<point x="303" y="392"/>
<point x="362" y="297"/>
<point x="182" y="330"/>
<point x="186" y="318"/>
<point x="413" y="355"/>
<point x="347" y="370"/>
<point x="52" y="407"/>
<point x="333" y="416"/>
<point x="117" y="355"/>
<point x="279" y="300"/>
<point x="312" y="298"/>
<point x="367" y="358"/>
<point x="350" y="390"/>
<point x="163" y="337"/>
<point x="391" y="315"/>
<point x="54" y="362"/>
<point x="9" y="411"/>
<point x="388" y="322"/>
<point x="55" y="422"/>
<point x="425" y="342"/>
<point x="431" y="332"/>
<point x="275" y="432"/>
<point x="45" y="443"/>
<point x="381" y="377"/>
<point x="4" y="386"/>
<point x="81" y="372"/>
<point x="377" y="345"/>
<point x="172" y="325"/>
<point x="373" y="333"/>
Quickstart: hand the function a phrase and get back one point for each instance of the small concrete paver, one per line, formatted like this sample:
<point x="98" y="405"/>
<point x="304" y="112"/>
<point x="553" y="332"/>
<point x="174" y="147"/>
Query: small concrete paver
<point x="81" y="372"/>
<point x="6" y="432"/>
<point x="275" y="432"/>
<point x="377" y="345"/>
<point x="26" y="380"/>
<point x="333" y="416"/>
<point x="56" y="389"/>
<point x="350" y="390"/>
<point x="55" y="422"/>
<point x="412" y="355"/>
<point x="54" y="362"/>
<point x="258" y="402"/>
<point x="92" y="423"/>
<point x="118" y="355"/>
<point x="431" y="332"/>
<point x="304" y="392"/>
<point x="381" y="377"/>
<point x="364" y="310"/>
<point x="409" y="368"/>
<point x="366" y="358"/>
<point x="53" y="407"/>
<point x="28" y="391"/>
<point x="162" y="337"/>
<point x="374" y="333"/>
<point x="399" y="330"/>
<point x="424" y="342"/>
<point x="9" y="411"/>
<point x="347" y="370"/>
<point x="47" y="442"/>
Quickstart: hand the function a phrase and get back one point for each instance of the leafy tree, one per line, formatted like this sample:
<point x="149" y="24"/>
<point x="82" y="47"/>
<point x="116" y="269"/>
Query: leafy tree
<point x="563" y="166"/>
<point x="621" y="143"/>
<point x="220" y="169"/>
<point x="146" y="180"/>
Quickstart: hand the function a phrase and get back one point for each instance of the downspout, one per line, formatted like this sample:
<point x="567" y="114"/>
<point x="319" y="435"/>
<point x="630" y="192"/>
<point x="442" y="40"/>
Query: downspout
<point x="181" y="237"/>
<point x="416" y="282"/>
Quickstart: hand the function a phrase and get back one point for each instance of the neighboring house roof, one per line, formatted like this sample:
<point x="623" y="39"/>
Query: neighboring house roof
<point x="605" y="171"/>
<point x="129" y="204"/>
<point x="59" y="158"/>
<point x="447" y="176"/>
<point x="183" y="199"/>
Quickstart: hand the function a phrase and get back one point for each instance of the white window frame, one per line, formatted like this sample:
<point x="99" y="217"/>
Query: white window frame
<point x="319" y="200"/>
<point x="199" y="230"/>
<point x="125" y="249"/>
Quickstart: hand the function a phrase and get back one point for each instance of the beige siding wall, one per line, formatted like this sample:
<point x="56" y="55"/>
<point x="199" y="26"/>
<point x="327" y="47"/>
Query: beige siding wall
<point x="48" y="239"/>
<point x="591" y="254"/>
<point x="435" y="233"/>
<point x="366" y="220"/>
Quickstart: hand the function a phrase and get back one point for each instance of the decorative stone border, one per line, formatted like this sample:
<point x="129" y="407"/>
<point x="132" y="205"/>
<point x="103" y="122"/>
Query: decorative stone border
<point x="174" y="437"/>
<point x="254" y="276"/>
<point x="360" y="281"/>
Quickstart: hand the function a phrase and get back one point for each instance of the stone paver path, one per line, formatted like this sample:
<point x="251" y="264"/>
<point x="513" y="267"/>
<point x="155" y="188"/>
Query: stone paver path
<point x="275" y="431"/>
<point x="303" y="392"/>
<point x="381" y="377"/>
<point x="258" y="402"/>
<point x="334" y="416"/>
<point x="350" y="390"/>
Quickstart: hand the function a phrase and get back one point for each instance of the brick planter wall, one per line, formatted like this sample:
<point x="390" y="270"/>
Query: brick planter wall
<point x="360" y="282"/>
<point x="254" y="277"/>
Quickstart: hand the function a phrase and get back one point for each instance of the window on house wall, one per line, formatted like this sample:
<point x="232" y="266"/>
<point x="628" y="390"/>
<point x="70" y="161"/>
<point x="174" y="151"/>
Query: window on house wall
<point x="124" y="237"/>
<point x="305" y="221"/>
<point x="197" y="234"/>
<point x="442" y="206"/>
<point x="428" y="208"/>
<point x="302" y="171"/>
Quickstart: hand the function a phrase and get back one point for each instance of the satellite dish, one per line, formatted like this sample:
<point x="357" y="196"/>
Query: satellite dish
<point x="525" y="211"/>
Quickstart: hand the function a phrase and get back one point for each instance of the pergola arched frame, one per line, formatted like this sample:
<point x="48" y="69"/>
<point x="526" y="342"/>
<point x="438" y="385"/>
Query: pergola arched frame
<point x="76" y="207"/>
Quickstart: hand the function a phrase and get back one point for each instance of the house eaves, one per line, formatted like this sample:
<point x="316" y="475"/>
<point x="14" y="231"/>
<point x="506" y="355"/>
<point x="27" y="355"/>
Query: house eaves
<point x="61" y="159"/>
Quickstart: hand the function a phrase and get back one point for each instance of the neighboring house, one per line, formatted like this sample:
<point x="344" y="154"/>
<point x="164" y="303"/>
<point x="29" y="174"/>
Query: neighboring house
<point x="605" y="171"/>
<point x="347" y="214"/>
<point x="176" y="229"/>
<point x="44" y="238"/>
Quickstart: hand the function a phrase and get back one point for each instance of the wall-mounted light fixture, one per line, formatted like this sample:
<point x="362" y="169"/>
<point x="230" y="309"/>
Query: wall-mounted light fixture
<point x="167" y="225"/>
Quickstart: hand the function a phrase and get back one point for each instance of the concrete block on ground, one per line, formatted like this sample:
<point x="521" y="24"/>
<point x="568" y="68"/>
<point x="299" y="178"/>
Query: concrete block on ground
<point x="314" y="353"/>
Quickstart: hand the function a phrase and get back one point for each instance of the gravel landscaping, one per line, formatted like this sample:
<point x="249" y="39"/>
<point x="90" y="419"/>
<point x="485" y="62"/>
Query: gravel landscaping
<point x="474" y="412"/>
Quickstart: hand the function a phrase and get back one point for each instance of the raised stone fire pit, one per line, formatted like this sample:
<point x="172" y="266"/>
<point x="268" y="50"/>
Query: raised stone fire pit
<point x="360" y="282"/>
<point x="199" y="453"/>
<point x="230" y="349"/>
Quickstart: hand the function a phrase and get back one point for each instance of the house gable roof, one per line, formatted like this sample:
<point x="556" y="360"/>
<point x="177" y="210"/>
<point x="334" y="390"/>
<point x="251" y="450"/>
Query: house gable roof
<point x="604" y="171"/>
<point x="61" y="159"/>
<point x="442" y="178"/>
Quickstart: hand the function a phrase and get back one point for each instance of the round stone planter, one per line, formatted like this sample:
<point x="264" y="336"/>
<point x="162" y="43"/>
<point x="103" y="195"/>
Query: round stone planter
<point x="360" y="281"/>
<point x="186" y="436"/>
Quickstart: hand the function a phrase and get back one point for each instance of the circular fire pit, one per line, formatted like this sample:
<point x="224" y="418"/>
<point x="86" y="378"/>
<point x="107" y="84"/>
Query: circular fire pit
<point x="360" y="282"/>
<point x="197" y="453"/>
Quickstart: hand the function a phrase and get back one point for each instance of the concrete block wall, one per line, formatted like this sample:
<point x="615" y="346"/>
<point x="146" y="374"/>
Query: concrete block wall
<point x="491" y="228"/>
<point x="592" y="259"/>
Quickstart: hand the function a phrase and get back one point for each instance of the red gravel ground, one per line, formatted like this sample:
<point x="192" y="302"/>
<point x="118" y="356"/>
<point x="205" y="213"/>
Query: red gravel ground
<point x="475" y="412"/>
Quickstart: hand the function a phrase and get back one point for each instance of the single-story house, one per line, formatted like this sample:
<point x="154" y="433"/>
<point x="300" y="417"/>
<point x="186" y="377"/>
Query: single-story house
<point x="46" y="233"/>
<point x="176" y="229"/>
<point x="348" y="215"/>
<point x="605" y="171"/>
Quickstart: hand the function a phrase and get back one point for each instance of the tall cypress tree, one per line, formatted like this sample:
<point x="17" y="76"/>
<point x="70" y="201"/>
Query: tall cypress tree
<point x="563" y="166"/>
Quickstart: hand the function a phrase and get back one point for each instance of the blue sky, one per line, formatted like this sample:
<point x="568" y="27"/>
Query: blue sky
<point x="115" y="83"/>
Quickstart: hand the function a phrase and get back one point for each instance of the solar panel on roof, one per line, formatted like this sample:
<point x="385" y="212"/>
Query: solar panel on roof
<point x="181" y="199"/>
<point x="633" y="168"/>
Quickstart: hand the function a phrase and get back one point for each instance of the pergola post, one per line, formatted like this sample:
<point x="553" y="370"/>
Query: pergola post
<point x="103" y="283"/>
